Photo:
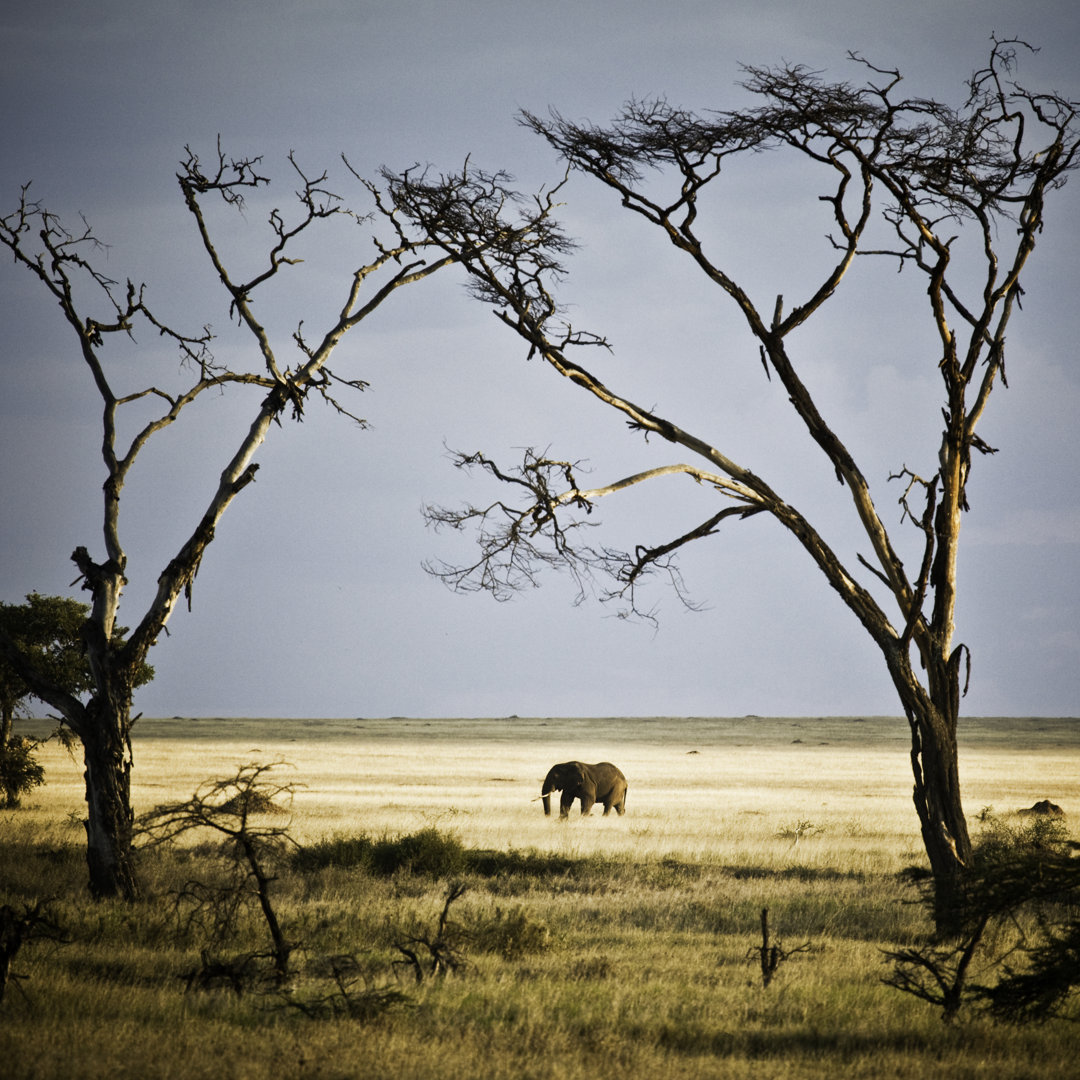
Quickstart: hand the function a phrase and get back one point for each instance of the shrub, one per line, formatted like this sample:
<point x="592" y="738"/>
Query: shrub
<point x="510" y="934"/>
<point x="1002" y="843"/>
<point x="532" y="864"/>
<point x="1017" y="868"/>
<point x="20" y="772"/>
<point x="17" y="928"/>
<point x="428" y="852"/>
<point x="225" y="807"/>
<point x="347" y="852"/>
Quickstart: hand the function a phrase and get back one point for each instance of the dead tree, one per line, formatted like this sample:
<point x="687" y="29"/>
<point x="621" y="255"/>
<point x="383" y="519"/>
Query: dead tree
<point x="18" y="928"/>
<point x="102" y="314"/>
<point x="434" y="956"/>
<point x="937" y="975"/>
<point x="935" y="188"/>
<point x="770" y="954"/>
<point x="249" y="847"/>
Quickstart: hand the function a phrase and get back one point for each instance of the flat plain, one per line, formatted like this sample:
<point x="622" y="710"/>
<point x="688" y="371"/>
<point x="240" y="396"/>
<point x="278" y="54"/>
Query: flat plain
<point x="645" y="925"/>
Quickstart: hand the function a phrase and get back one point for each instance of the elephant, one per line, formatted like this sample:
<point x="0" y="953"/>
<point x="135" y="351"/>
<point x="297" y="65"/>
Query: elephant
<point x="601" y="783"/>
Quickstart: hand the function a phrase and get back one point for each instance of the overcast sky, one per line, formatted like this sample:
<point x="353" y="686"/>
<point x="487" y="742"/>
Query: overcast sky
<point x="312" y="601"/>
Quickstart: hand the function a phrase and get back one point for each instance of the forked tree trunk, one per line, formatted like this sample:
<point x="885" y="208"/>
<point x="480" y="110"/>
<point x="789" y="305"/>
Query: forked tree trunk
<point x="941" y="814"/>
<point x="933" y="721"/>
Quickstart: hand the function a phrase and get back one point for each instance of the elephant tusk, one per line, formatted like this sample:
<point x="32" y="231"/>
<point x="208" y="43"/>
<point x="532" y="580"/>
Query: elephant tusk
<point x="539" y="797"/>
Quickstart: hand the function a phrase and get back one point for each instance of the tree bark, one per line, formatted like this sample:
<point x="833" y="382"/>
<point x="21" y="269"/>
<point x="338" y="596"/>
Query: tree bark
<point x="109" y="822"/>
<point x="941" y="814"/>
<point x="933" y="715"/>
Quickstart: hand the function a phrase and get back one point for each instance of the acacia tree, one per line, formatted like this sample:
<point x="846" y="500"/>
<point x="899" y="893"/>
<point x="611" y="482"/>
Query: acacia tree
<point x="100" y="313"/>
<point x="47" y="631"/>
<point x="46" y="627"/>
<point x="916" y="171"/>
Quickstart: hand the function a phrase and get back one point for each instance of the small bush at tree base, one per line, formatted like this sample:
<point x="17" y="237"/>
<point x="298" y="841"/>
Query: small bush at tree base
<point x="1026" y="869"/>
<point x="20" y="772"/>
<point x="1046" y="988"/>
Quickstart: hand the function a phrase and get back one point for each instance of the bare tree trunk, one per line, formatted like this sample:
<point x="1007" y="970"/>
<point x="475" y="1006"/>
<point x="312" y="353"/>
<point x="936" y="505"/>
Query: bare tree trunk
<point x="933" y="716"/>
<point x="107" y="755"/>
<point x="941" y="814"/>
<point x="282" y="948"/>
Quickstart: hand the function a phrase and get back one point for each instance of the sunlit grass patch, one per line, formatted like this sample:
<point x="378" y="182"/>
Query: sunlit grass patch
<point x="592" y="944"/>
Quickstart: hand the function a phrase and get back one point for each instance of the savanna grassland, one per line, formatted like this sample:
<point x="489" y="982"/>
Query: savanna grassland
<point x="591" y="948"/>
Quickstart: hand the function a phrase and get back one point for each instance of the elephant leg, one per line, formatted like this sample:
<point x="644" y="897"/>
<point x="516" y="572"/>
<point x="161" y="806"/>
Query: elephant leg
<point x="565" y="803"/>
<point x="607" y="807"/>
<point x="587" y="802"/>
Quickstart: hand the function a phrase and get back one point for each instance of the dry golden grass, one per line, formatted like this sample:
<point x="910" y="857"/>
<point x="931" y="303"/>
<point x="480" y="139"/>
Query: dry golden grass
<point x="727" y="788"/>
<point x="647" y="969"/>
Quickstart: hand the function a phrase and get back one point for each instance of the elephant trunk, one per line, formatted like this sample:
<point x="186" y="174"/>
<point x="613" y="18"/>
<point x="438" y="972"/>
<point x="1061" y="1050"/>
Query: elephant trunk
<point x="550" y="785"/>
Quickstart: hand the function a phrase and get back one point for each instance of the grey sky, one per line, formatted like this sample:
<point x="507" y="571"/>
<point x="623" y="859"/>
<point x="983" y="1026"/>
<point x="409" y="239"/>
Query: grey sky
<point x="312" y="601"/>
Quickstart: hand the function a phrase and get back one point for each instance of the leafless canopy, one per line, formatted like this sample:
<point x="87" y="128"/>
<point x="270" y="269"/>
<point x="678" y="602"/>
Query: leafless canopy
<point x="64" y="262"/>
<point x="905" y="178"/>
<point x="921" y="166"/>
<point x="287" y="374"/>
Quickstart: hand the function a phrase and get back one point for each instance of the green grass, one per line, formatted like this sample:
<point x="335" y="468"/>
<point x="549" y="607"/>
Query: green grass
<point x="640" y="963"/>
<point x="594" y="948"/>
